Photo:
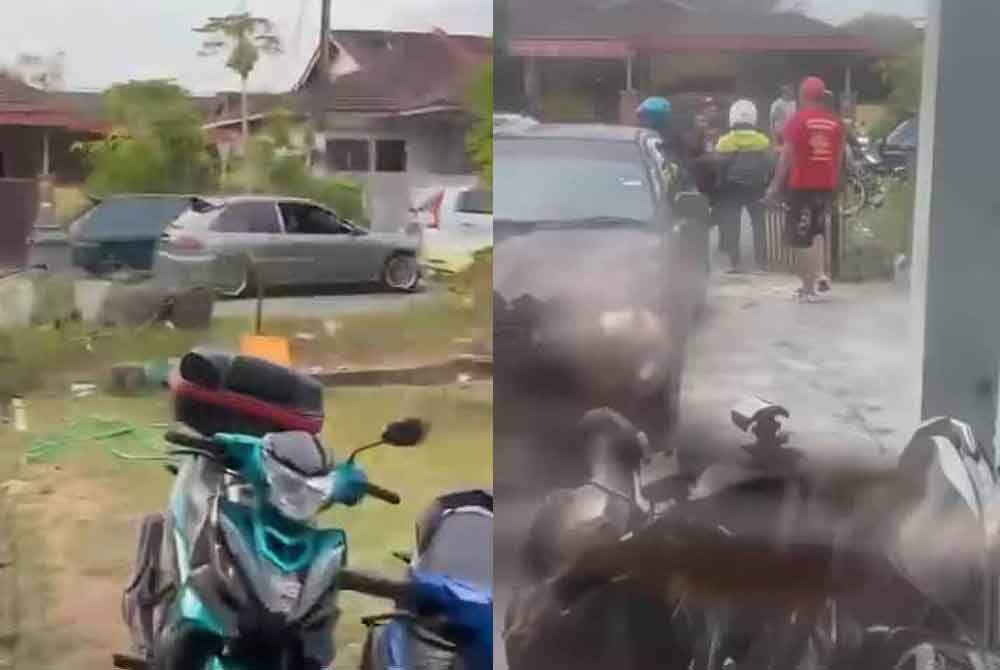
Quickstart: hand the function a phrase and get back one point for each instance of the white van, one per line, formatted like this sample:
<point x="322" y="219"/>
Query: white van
<point x="453" y="223"/>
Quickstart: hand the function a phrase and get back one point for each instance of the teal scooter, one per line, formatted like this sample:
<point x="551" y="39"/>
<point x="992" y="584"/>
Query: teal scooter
<point x="247" y="581"/>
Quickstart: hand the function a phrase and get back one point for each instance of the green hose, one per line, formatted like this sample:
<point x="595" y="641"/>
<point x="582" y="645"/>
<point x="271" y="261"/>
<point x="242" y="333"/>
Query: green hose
<point x="121" y="439"/>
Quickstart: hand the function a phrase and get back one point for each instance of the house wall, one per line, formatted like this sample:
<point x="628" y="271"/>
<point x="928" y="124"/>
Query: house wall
<point x="22" y="152"/>
<point x="434" y="146"/>
<point x="435" y="156"/>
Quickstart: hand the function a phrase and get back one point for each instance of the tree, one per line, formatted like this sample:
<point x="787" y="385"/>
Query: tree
<point x="157" y="144"/>
<point x="246" y="37"/>
<point x="480" y="139"/>
<point x="274" y="161"/>
<point x="902" y="68"/>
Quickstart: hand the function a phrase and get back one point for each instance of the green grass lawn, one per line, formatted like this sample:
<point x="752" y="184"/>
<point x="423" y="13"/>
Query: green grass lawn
<point x="32" y="358"/>
<point x="83" y="505"/>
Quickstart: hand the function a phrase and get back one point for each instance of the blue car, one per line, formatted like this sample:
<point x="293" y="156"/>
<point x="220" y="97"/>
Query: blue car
<point x="123" y="232"/>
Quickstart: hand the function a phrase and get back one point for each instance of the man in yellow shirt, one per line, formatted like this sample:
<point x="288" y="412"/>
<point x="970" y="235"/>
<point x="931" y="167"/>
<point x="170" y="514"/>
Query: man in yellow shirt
<point x="744" y="167"/>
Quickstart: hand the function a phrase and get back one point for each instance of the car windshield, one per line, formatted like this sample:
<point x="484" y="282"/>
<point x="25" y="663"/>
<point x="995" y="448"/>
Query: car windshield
<point x="905" y="135"/>
<point x="571" y="180"/>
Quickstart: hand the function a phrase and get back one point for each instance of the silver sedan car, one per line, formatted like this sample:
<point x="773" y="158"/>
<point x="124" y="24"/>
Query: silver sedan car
<point x="235" y="244"/>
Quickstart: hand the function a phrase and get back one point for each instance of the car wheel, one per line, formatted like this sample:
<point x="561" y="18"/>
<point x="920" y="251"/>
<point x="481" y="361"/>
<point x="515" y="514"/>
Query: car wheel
<point x="401" y="273"/>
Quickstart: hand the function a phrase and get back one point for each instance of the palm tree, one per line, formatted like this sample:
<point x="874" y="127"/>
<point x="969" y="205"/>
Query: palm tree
<point x="246" y="37"/>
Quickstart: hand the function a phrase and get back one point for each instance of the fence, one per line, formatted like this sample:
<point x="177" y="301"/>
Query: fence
<point x="781" y="259"/>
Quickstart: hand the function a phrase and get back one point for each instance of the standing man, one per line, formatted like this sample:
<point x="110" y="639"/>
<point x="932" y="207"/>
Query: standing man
<point x="744" y="169"/>
<point x="782" y="109"/>
<point x="808" y="174"/>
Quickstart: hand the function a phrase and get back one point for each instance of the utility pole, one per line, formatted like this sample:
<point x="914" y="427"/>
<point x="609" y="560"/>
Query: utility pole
<point x="322" y="84"/>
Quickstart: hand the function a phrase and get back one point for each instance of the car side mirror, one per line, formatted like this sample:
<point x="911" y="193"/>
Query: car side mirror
<point x="690" y="205"/>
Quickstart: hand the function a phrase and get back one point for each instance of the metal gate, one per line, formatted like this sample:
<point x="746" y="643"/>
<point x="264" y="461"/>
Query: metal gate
<point x="780" y="257"/>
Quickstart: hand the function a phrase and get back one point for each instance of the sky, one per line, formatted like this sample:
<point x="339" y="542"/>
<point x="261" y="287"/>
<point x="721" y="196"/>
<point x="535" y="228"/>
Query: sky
<point x="108" y="41"/>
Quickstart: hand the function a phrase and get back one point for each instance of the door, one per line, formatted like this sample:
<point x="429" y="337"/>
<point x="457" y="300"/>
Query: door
<point x="250" y="233"/>
<point x="324" y="247"/>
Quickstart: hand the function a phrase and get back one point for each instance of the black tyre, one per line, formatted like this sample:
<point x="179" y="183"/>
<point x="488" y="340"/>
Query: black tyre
<point x="401" y="273"/>
<point x="181" y="646"/>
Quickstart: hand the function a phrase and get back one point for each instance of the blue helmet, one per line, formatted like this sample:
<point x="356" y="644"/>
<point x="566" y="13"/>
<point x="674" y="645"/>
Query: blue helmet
<point x="654" y="112"/>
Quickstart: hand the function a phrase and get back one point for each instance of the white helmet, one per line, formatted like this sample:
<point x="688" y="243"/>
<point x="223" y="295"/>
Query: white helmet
<point x="743" y="112"/>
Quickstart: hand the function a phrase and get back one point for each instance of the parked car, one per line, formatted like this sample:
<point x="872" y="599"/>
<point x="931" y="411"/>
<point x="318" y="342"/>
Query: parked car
<point x="899" y="147"/>
<point x="122" y="232"/>
<point x="598" y="275"/>
<point x="230" y="243"/>
<point x="453" y="224"/>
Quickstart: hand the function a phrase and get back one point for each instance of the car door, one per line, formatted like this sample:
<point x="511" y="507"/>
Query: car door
<point x="250" y="232"/>
<point x="324" y="247"/>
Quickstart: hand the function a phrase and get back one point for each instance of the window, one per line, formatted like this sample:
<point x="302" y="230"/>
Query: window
<point x="348" y="155"/>
<point x="390" y="156"/>
<point x="475" y="201"/>
<point x="249" y="217"/>
<point x="308" y="220"/>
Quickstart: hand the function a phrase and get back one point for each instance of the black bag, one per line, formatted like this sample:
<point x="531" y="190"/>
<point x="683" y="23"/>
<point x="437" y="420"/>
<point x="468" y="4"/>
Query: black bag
<point x="747" y="170"/>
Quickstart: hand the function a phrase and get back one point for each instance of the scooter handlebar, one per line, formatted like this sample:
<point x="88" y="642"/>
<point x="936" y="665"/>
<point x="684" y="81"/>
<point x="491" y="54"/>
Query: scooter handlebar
<point x="383" y="494"/>
<point x="183" y="439"/>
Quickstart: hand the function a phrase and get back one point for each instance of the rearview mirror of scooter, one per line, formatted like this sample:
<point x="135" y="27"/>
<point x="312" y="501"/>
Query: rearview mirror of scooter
<point x="406" y="432"/>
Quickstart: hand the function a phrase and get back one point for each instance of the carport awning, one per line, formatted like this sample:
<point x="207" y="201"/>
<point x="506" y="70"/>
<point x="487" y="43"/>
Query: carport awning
<point x="571" y="48"/>
<point x="619" y="49"/>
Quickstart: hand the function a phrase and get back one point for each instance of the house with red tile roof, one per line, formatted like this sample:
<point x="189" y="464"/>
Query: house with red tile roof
<point x="396" y="102"/>
<point x="38" y="130"/>
<point x="607" y="54"/>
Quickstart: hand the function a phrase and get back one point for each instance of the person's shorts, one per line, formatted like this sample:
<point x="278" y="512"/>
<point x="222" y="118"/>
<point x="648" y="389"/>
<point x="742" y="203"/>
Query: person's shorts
<point x="806" y="217"/>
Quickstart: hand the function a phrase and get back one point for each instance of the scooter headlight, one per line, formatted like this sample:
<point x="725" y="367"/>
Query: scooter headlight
<point x="294" y="495"/>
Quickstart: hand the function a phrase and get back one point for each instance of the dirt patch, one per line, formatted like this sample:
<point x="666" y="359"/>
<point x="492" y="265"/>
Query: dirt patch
<point x="83" y="604"/>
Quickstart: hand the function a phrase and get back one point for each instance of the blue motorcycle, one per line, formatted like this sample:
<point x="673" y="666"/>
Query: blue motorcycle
<point x="446" y="621"/>
<point x="247" y="580"/>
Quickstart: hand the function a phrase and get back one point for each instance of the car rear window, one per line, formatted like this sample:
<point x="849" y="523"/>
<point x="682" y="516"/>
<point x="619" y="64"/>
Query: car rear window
<point x="130" y="218"/>
<point x="249" y="217"/>
<point x="570" y="179"/>
<point x="475" y="201"/>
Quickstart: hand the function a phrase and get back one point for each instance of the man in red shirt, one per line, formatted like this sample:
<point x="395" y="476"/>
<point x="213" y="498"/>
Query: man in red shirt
<point x="808" y="174"/>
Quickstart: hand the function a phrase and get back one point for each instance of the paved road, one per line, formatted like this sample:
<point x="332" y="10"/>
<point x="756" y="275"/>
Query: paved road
<point x="842" y="367"/>
<point x="328" y="304"/>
